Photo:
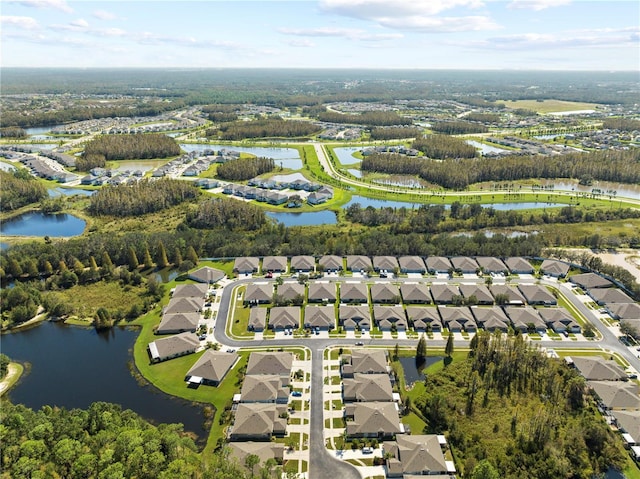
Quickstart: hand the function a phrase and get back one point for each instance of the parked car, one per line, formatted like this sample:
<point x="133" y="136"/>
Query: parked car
<point x="359" y="343"/>
<point x="367" y="450"/>
<point x="296" y="394"/>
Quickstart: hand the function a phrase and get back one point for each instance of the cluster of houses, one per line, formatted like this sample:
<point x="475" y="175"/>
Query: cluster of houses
<point x="612" y="300"/>
<point x="340" y="132"/>
<point x="371" y="410"/>
<point x="270" y="191"/>
<point x="198" y="162"/>
<point x="398" y="149"/>
<point x="618" y="397"/>
<point x="526" y="146"/>
<point x="45" y="169"/>
<point x="101" y="176"/>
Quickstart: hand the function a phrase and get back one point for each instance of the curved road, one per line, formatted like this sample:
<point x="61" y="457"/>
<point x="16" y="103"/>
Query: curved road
<point x="321" y="463"/>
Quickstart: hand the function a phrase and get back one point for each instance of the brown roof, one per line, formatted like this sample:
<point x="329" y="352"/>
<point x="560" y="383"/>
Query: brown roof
<point x="290" y="290"/>
<point x="322" y="291"/>
<point x="274" y="263"/>
<point x="190" y="290"/>
<point x="178" y="322"/>
<point x="444" y="293"/>
<point x="438" y="264"/>
<point x="246" y="264"/>
<point x="174" y="346"/>
<point x="384" y="292"/>
<point x="517" y="264"/>
<point x="412" y="264"/>
<point x="590" y="280"/>
<point x="331" y="262"/>
<point x="491" y="264"/>
<point x="537" y="294"/>
<point x="263" y="388"/>
<point x="521" y="317"/>
<point x="213" y="365"/>
<point x="258" y="420"/>
<point x="515" y="296"/>
<point x="616" y="394"/>
<point x="358" y="262"/>
<point x="369" y="361"/>
<point x="264" y="451"/>
<point x="367" y="387"/>
<point x="374" y="418"/>
<point x="284" y="317"/>
<point x="418" y="454"/>
<point x="184" y="305"/>
<point x="260" y="292"/>
<point x="270" y="363"/>
<point x="207" y="275"/>
<point x="625" y="310"/>
<point x="257" y="318"/>
<point x="554" y="267"/>
<point x="464" y="264"/>
<point x="390" y="263"/>
<point x="320" y="316"/>
<point x="480" y="291"/>
<point x="415" y="293"/>
<point x="609" y="295"/>
<point x="597" y="368"/>
<point x="303" y="263"/>
<point x="356" y="292"/>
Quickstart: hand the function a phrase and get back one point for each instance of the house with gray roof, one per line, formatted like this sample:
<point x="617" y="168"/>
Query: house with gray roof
<point x="480" y="291"/>
<point x="178" y="323"/>
<point x="257" y="319"/>
<point x="303" y="264"/>
<point x="190" y="291"/>
<point x="491" y="264"/>
<point x="438" y="264"/>
<point x="354" y="317"/>
<point x="271" y="363"/>
<point x="616" y="395"/>
<point x="518" y="265"/>
<point x="359" y="263"/>
<point x="322" y="317"/>
<point x="354" y="293"/>
<point x="464" y="264"/>
<point x="385" y="293"/>
<point x="457" y="319"/>
<point x="424" y="319"/>
<point x="412" y="264"/>
<point x="624" y="310"/>
<point x="513" y="295"/>
<point x="258" y="293"/>
<point x="559" y="320"/>
<point x="367" y="388"/>
<point x="415" y="455"/>
<point x="207" y="275"/>
<point x="590" y="281"/>
<point x="239" y="451"/>
<point x="246" y="265"/>
<point x="389" y="316"/>
<point x="628" y="422"/>
<point x="184" y="305"/>
<point x="322" y="292"/>
<point x="289" y="291"/>
<point x="385" y="263"/>
<point x="552" y="267"/>
<point x="264" y="388"/>
<point x="521" y="318"/>
<point x="415" y="293"/>
<point x="597" y="368"/>
<point x="211" y="367"/>
<point x="490" y="319"/>
<point x="258" y="422"/>
<point x="282" y="317"/>
<point x="331" y="263"/>
<point x="372" y="419"/>
<point x="173" y="347"/>
<point x="365" y="361"/>
<point x="274" y="264"/>
<point x="609" y="295"/>
<point x="536" y="294"/>
<point x="444" y="293"/>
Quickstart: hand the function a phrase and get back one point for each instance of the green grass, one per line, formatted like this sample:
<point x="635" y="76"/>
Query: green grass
<point x="86" y="299"/>
<point x="416" y="424"/>
<point x="240" y="315"/>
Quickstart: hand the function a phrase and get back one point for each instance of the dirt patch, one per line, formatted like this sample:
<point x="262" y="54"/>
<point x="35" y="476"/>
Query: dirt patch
<point x="627" y="259"/>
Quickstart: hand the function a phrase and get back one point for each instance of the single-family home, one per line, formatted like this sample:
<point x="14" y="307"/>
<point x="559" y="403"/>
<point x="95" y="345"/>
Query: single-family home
<point x="524" y="318"/>
<point x="559" y="320"/>
<point x="207" y="275"/>
<point x="367" y="388"/>
<point x="372" y="419"/>
<point x="173" y="323"/>
<point x="628" y="423"/>
<point x="279" y="363"/>
<point x="303" y="264"/>
<point x="322" y="292"/>
<point x="258" y="422"/>
<point x="257" y="319"/>
<point x="479" y="291"/>
<point x="424" y="319"/>
<point x="331" y="263"/>
<point x="258" y="293"/>
<point x="415" y="293"/>
<point x="552" y="267"/>
<point x="416" y="455"/>
<point x="353" y="293"/>
<point x="509" y="293"/>
<point x="627" y="311"/>
<point x="184" y="305"/>
<point x="246" y="265"/>
<point x="321" y="317"/>
<point x="264" y="388"/>
<point x="616" y="395"/>
<point x="385" y="293"/>
<point x="387" y="317"/>
<point x="444" y="293"/>
<point x="385" y="263"/>
<point x="590" y="281"/>
<point x="359" y="263"/>
<point x="263" y="450"/>
<point x="211" y="367"/>
<point x="438" y="264"/>
<point x="365" y="361"/>
<point x="190" y="291"/>
<point x="354" y="317"/>
<point x="609" y="295"/>
<point x="457" y="319"/>
<point x="274" y="264"/>
<point x="283" y="317"/>
<point x="464" y="264"/>
<point x="536" y="294"/>
<point x="597" y="368"/>
<point x="518" y="265"/>
<point x="173" y="347"/>
<point x="412" y="264"/>
<point x="290" y="291"/>
<point x="491" y="264"/>
<point x="490" y="319"/>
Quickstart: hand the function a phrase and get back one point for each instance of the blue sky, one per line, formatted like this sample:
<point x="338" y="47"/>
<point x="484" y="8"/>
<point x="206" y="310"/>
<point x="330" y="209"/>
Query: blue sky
<point x="426" y="34"/>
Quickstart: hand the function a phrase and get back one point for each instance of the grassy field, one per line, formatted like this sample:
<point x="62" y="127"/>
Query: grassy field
<point x="548" y="106"/>
<point x="86" y="299"/>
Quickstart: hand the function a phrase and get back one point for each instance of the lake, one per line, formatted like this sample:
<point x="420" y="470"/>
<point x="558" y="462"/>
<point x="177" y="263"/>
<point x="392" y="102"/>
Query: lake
<point x="37" y="223"/>
<point x="378" y="203"/>
<point x="412" y="372"/>
<point x="345" y="155"/>
<point x="287" y="157"/>
<point x="72" y="367"/>
<point x="325" y="217"/>
<point x="622" y="190"/>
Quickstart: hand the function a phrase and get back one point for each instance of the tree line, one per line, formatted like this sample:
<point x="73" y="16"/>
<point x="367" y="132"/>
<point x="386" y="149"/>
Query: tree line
<point x="227" y="213"/>
<point x="394" y="133"/>
<point x="244" y="168"/>
<point x="19" y="189"/>
<point x="617" y="166"/>
<point x="263" y="128"/>
<point x="137" y="146"/>
<point x="458" y="127"/>
<point x="369" y="118"/>
<point x="444" y="146"/>
<point x="12" y="132"/>
<point x="144" y="196"/>
<point x="623" y="124"/>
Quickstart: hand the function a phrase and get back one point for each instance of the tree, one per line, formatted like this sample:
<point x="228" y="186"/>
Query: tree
<point x="192" y="255"/>
<point x="177" y="258"/>
<point x="133" y="259"/>
<point x="107" y="264"/>
<point x="161" y="256"/>
<point x="148" y="262"/>
<point x="421" y="349"/>
<point x="485" y="470"/>
<point x="251" y="461"/>
<point x="13" y="268"/>
<point x="629" y="329"/>
<point x="502" y="299"/>
<point x="448" y="349"/>
<point x="396" y="352"/>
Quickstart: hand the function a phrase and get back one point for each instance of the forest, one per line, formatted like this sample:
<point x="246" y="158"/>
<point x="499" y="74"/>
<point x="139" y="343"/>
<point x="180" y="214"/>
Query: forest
<point x="263" y="128"/>
<point x="244" y="168"/>
<point x="227" y="213"/>
<point x="19" y="189"/>
<point x="443" y="146"/>
<point x="12" y="132"/>
<point x="458" y="127"/>
<point x="531" y="415"/>
<point x="107" y="442"/>
<point x="368" y="118"/>
<point x="139" y="146"/>
<point x="142" y="197"/>
<point x="394" y="133"/>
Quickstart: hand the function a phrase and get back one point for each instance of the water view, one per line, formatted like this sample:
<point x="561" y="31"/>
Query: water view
<point x="37" y="223"/>
<point x="326" y="217"/>
<point x="379" y="203"/>
<point x="6" y="166"/>
<point x="413" y="370"/>
<point x="72" y="367"/>
<point x="287" y="157"/>
<point x="345" y="155"/>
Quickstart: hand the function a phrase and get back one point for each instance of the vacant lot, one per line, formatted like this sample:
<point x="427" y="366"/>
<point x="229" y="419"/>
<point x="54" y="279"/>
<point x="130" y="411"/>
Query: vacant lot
<point x="548" y="106"/>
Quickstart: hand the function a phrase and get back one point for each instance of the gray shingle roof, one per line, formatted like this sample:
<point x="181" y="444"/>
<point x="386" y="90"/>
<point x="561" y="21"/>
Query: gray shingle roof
<point x="322" y="291"/>
<point x="415" y="293"/>
<point x="213" y="365"/>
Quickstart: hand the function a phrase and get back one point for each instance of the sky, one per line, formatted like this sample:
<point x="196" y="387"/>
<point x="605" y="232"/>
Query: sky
<point x="398" y="34"/>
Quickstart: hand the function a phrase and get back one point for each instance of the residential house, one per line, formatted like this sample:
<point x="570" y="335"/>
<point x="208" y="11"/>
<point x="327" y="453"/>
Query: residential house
<point x="609" y="295"/>
<point x="321" y="317"/>
<point x="184" y="305"/>
<point x="211" y="367"/>
<point x="559" y="320"/>
<point x="438" y="264"/>
<point x="173" y="347"/>
<point x="322" y="292"/>
<point x="283" y="317"/>
<point x="290" y="291"/>
<point x="597" y="368"/>
<point x="354" y="317"/>
<point x="303" y="264"/>
<point x="354" y="293"/>
<point x="365" y="361"/>
<point x="385" y="263"/>
<point x="628" y="423"/>
<point x="415" y="293"/>
<point x="258" y="293"/>
<point x="239" y="451"/>
<point x="385" y="293"/>
<point x="464" y="264"/>
<point x="275" y="198"/>
<point x="616" y="395"/>
<point x="491" y="319"/>
<point x="258" y="422"/>
<point x="424" y="319"/>
<point x="317" y="198"/>
<point x="190" y="291"/>
<point x="491" y="264"/>
<point x="626" y="311"/>
<point x="372" y="419"/>
<point x="178" y="323"/>
<point x="444" y="293"/>
<point x="479" y="291"/>
<point x="359" y="263"/>
<point x="518" y="265"/>
<point x="536" y="294"/>
<point x="331" y="263"/>
<point x="512" y="295"/>
<point x="246" y="265"/>
<point x="274" y="264"/>
<point x="523" y="318"/>
<point x="416" y="455"/>
<point x="367" y="388"/>
<point x="552" y="267"/>
<point x="257" y="319"/>
<point x="279" y="363"/>
<point x="589" y="281"/>
<point x="388" y="317"/>
<point x="207" y="275"/>
<point x="412" y="264"/>
<point x="457" y="319"/>
<point x="264" y="388"/>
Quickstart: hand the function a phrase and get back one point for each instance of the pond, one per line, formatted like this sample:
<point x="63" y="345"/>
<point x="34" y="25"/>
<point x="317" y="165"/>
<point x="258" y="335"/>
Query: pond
<point x="72" y="367"/>
<point x="287" y="157"/>
<point x="326" y="217"/>
<point x="37" y="223"/>
<point x="379" y="203"/>
<point x="166" y="275"/>
<point x="6" y="166"/>
<point x="37" y="146"/>
<point x="354" y="172"/>
<point x="345" y="155"/>
<point x="413" y="370"/>
<point x="59" y="191"/>
<point x="622" y="190"/>
<point x="38" y="130"/>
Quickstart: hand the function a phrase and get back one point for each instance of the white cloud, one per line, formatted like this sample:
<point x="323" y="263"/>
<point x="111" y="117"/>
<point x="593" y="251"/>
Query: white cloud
<point x="349" y="33"/>
<point x="25" y="23"/>
<point x="79" y="25"/>
<point x="301" y="43"/>
<point x="104" y="15"/>
<point x="55" y="4"/>
<point x="537" y="5"/>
